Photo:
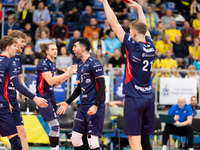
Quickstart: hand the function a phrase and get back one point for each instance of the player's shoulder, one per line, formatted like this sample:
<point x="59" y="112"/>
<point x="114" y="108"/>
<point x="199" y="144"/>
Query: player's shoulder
<point x="43" y="61"/>
<point x="93" y="60"/>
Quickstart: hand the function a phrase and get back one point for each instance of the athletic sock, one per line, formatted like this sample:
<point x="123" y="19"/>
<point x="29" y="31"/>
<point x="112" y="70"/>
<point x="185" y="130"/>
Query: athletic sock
<point x="164" y="147"/>
<point x="79" y="148"/>
<point x="191" y="148"/>
<point x="15" y="143"/>
<point x="54" y="142"/>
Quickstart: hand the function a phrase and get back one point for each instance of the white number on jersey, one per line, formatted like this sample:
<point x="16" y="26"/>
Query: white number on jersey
<point x="146" y="63"/>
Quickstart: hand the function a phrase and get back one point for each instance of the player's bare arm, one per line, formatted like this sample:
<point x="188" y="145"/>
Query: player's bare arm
<point x="100" y="81"/>
<point x="140" y="13"/>
<point x="112" y="20"/>
<point x="64" y="105"/>
<point x="56" y="79"/>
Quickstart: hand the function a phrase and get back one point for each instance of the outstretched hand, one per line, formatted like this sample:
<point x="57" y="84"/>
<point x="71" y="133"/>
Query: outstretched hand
<point x="133" y="4"/>
<point x="63" y="108"/>
<point x="71" y="70"/>
<point x="41" y="102"/>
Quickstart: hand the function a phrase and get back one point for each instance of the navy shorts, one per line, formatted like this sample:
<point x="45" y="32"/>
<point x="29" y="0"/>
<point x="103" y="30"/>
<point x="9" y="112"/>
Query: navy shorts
<point x="89" y="124"/>
<point x="16" y="113"/>
<point x="138" y="116"/>
<point x="49" y="113"/>
<point x="7" y="124"/>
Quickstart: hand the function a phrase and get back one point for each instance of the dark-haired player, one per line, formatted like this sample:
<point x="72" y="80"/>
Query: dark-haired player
<point x="90" y="115"/>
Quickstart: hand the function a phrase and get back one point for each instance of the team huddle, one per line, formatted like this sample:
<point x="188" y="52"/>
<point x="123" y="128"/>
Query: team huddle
<point x="139" y="104"/>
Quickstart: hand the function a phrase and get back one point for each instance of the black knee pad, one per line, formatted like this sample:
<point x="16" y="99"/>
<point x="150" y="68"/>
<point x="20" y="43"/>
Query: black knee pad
<point x="15" y="143"/>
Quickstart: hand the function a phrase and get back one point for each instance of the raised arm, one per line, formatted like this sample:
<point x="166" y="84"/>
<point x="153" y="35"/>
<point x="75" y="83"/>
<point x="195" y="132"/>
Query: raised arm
<point x="141" y="15"/>
<point x="112" y="20"/>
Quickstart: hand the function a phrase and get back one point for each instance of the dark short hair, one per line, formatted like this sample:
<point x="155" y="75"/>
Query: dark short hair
<point x="83" y="41"/>
<point x="6" y="41"/>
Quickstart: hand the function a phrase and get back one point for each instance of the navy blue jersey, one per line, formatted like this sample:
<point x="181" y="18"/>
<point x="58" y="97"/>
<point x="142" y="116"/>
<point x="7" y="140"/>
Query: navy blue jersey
<point x="8" y="68"/>
<point x="87" y="72"/>
<point x="11" y="89"/>
<point x="43" y="89"/>
<point x="139" y="60"/>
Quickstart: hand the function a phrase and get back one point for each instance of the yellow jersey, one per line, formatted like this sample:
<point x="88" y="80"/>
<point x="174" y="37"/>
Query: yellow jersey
<point x="172" y="33"/>
<point x="162" y="47"/>
<point x="168" y="63"/>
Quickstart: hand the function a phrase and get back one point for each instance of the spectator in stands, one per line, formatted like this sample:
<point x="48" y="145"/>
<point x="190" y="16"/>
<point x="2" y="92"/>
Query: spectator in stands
<point x="44" y="39"/>
<point x="195" y="107"/>
<point x="28" y="31"/>
<point x="9" y="31"/>
<point x="156" y="64"/>
<point x="41" y="14"/>
<point x="97" y="43"/>
<point x="26" y="16"/>
<point x="180" y="52"/>
<point x="162" y="46"/>
<point x="196" y="24"/>
<point x="36" y="2"/>
<point x="104" y="33"/>
<point x="28" y="54"/>
<point x="168" y="62"/>
<point x="56" y="11"/>
<point x="151" y="18"/>
<point x="101" y="58"/>
<point x="162" y="73"/>
<point x="85" y="19"/>
<point x="93" y="27"/>
<point x="168" y="18"/>
<point x="188" y="34"/>
<point x="111" y="44"/>
<point x="42" y="27"/>
<point x="63" y="61"/>
<point x="76" y="35"/>
<point x="172" y="31"/>
<point x="71" y="10"/>
<point x="142" y="3"/>
<point x="117" y="61"/>
<point x="59" y="33"/>
<point x="22" y="4"/>
<point x="119" y="8"/>
<point x="158" y="3"/>
<point x="159" y="32"/>
<point x="194" y="50"/>
<point x="193" y="74"/>
<point x="182" y="113"/>
<point x="174" y="73"/>
<point x="11" y="24"/>
<point x="194" y="8"/>
<point x="125" y="25"/>
<point x="196" y="63"/>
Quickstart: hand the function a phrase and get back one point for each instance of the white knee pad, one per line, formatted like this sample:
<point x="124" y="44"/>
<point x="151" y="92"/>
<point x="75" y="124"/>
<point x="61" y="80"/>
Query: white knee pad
<point x="54" y="128"/>
<point x="93" y="142"/>
<point x="76" y="139"/>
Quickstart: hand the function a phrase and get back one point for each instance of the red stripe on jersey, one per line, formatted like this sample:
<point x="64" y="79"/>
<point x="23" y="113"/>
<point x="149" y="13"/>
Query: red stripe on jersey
<point x="41" y="84"/>
<point x="6" y="89"/>
<point x="143" y="42"/>
<point x="128" y="68"/>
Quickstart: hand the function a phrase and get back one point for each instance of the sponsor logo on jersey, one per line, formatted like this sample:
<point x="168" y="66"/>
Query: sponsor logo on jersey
<point x="87" y="80"/>
<point x="17" y="59"/>
<point x="143" y="89"/>
<point x="146" y="55"/>
<point x="97" y="70"/>
<point x="86" y="65"/>
<point x="15" y="70"/>
<point x="0" y="80"/>
<point x="148" y="50"/>
<point x="1" y="105"/>
<point x="14" y="63"/>
<point x="44" y="63"/>
<point x="84" y="96"/>
<point x="86" y="74"/>
<point x="97" y="65"/>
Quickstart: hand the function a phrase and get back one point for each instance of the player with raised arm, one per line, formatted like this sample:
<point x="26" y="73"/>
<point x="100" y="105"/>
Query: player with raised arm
<point x="19" y="37"/>
<point x="140" y="54"/>
<point x="8" y="71"/>
<point x="46" y="80"/>
<point x="91" y="85"/>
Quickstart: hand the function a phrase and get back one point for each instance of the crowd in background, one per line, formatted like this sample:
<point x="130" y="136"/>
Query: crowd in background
<point x="176" y="34"/>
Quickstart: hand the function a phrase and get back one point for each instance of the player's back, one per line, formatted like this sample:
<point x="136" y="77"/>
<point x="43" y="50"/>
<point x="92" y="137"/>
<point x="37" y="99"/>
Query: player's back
<point x="7" y="70"/>
<point x="139" y="61"/>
